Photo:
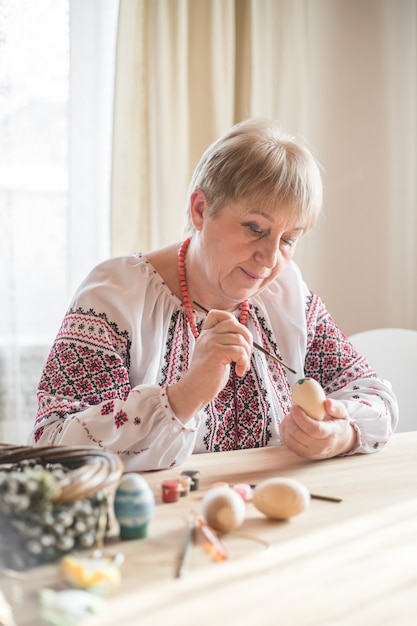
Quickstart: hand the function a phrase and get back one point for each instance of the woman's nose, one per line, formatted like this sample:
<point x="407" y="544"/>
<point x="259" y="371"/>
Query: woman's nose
<point x="267" y="254"/>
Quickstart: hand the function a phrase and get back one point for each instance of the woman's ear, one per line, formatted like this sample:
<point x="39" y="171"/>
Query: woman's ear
<point x="198" y="208"/>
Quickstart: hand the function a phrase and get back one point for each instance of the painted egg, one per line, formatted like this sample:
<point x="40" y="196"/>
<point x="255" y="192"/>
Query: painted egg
<point x="69" y="606"/>
<point x="281" y="498"/>
<point x="134" y="506"/>
<point x="244" y="490"/>
<point x="96" y="575"/>
<point x="223" y="508"/>
<point x="309" y="395"/>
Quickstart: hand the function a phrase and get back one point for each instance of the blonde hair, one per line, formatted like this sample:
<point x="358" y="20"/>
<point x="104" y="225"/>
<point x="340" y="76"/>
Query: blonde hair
<point x="258" y="160"/>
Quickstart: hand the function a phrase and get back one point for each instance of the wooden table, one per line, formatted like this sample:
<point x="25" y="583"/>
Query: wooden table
<point x="336" y="564"/>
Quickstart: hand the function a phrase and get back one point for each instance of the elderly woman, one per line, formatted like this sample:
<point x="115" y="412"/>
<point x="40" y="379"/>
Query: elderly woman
<point x="155" y="358"/>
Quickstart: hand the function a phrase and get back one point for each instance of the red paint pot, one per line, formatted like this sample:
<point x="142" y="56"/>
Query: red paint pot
<point x="171" y="490"/>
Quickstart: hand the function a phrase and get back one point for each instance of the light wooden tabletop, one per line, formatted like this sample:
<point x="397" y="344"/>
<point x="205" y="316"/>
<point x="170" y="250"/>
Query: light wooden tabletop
<point x="336" y="564"/>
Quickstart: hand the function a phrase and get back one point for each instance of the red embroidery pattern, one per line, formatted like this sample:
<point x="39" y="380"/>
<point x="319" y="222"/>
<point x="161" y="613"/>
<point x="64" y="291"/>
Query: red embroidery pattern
<point x="87" y="365"/>
<point x="120" y="418"/>
<point x="177" y="355"/>
<point x="331" y="359"/>
<point x="241" y="415"/>
<point x="277" y="374"/>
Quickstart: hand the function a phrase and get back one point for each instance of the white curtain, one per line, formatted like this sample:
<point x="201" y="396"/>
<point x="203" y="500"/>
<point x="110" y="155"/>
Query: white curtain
<point x="340" y="73"/>
<point x="56" y="104"/>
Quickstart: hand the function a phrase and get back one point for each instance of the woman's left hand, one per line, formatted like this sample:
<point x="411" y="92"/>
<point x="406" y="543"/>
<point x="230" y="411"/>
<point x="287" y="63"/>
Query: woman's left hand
<point x="315" y="439"/>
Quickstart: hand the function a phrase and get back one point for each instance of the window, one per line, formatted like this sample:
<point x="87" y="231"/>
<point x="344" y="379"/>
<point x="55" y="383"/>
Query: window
<point x="56" y="94"/>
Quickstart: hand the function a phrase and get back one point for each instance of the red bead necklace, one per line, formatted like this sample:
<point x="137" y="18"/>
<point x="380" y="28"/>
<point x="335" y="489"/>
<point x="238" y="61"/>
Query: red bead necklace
<point x="186" y="298"/>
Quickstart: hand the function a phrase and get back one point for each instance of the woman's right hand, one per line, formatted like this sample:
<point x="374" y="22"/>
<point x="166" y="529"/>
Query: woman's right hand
<point x="223" y="341"/>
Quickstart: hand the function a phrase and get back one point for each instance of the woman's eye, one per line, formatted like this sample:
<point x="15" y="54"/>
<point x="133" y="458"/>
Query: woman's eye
<point x="254" y="229"/>
<point x="288" y="243"/>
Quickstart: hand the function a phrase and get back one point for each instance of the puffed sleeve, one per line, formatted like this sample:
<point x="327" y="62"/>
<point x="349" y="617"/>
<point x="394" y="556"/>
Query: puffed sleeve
<point x="347" y="376"/>
<point x="88" y="394"/>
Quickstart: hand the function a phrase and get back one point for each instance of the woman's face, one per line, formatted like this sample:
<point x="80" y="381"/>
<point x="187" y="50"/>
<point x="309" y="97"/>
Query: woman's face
<point x="239" y="251"/>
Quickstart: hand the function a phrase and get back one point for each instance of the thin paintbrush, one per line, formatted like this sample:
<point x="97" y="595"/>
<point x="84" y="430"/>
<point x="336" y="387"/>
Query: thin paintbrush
<point x="186" y="549"/>
<point x="315" y="496"/>
<point x="255" y="345"/>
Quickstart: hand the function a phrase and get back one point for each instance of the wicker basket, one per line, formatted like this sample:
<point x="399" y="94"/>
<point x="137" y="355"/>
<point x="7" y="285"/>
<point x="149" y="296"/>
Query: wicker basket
<point x="92" y="469"/>
<point x="91" y="477"/>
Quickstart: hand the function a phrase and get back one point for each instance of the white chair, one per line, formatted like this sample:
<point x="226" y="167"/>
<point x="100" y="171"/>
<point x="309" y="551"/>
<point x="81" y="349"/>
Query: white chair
<point x="392" y="353"/>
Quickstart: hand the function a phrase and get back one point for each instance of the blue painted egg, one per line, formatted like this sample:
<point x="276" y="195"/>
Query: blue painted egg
<point x="134" y="506"/>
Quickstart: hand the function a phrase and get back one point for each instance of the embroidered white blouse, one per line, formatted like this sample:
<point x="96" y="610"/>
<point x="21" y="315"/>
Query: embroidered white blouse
<point x="126" y="336"/>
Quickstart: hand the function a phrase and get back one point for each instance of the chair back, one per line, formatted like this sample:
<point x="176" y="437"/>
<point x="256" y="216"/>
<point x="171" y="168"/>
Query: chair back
<point x="392" y="353"/>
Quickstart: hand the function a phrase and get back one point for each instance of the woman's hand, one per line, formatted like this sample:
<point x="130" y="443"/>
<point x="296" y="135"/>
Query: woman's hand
<point x="222" y="341"/>
<point x="315" y="439"/>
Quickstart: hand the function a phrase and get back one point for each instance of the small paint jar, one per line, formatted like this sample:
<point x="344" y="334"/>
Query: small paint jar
<point x="195" y="478"/>
<point x="171" y="490"/>
<point x="185" y="483"/>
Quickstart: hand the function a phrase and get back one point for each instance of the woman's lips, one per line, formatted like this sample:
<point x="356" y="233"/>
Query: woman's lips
<point x="253" y="276"/>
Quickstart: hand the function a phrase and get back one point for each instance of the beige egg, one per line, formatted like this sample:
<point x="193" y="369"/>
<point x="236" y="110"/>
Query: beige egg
<point x="309" y="395"/>
<point x="281" y="498"/>
<point x="223" y="508"/>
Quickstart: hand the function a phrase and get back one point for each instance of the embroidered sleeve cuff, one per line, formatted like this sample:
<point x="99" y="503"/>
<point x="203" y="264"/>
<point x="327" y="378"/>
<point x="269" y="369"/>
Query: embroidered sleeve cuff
<point x="191" y="426"/>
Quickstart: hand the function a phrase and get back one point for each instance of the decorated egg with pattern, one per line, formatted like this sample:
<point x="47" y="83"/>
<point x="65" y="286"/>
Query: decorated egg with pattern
<point x="134" y="506"/>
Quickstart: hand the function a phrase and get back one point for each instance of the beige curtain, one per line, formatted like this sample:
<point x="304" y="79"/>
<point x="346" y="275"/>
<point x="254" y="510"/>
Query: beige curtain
<point x="340" y="73"/>
<point x="174" y="94"/>
<point x="185" y="73"/>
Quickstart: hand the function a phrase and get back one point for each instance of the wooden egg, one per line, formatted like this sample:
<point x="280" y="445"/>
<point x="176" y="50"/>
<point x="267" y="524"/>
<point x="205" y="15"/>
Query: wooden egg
<point x="223" y="508"/>
<point x="309" y="395"/>
<point x="281" y="498"/>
